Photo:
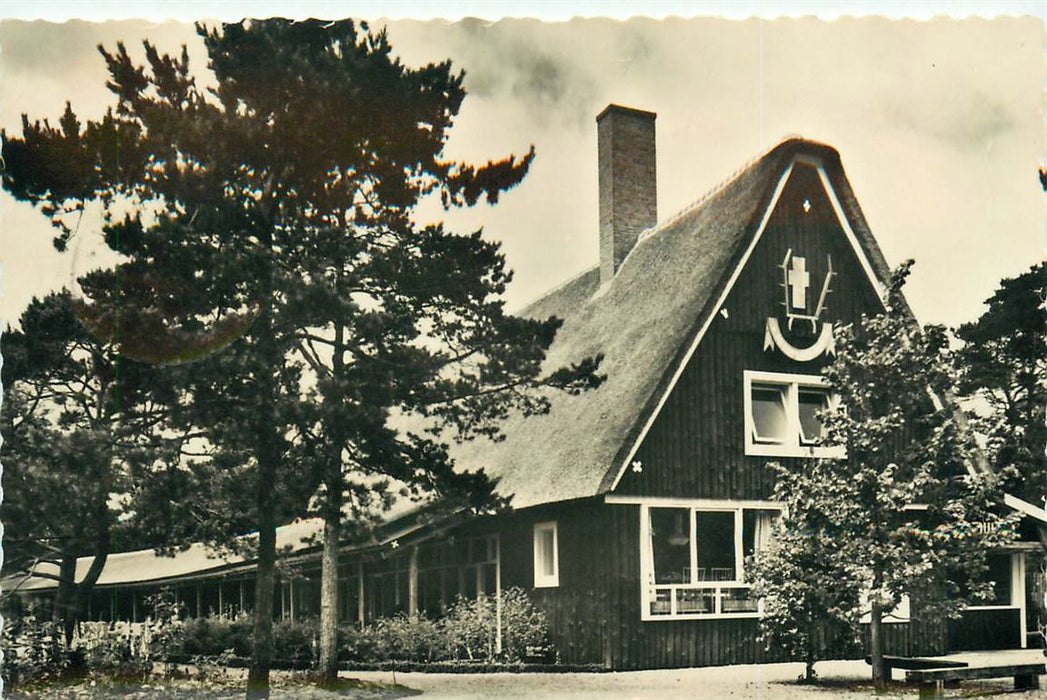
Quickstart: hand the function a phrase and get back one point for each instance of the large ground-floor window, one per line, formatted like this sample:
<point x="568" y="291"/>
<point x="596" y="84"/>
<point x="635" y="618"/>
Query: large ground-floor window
<point x="693" y="558"/>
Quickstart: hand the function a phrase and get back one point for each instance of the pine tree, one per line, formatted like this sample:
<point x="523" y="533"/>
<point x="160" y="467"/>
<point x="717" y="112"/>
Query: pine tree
<point x="272" y="220"/>
<point x="78" y="421"/>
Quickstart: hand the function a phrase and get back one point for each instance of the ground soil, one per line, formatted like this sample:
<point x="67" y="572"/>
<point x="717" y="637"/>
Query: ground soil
<point x="839" y="680"/>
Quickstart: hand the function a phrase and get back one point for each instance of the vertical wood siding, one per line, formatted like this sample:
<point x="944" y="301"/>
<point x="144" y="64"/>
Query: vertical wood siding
<point x="696" y="446"/>
<point x="594" y="614"/>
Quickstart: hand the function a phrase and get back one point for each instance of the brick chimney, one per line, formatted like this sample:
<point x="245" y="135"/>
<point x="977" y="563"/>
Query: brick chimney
<point x="628" y="191"/>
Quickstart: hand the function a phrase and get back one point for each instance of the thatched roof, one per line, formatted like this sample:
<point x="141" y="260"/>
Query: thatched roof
<point x="146" y="567"/>
<point x="642" y="323"/>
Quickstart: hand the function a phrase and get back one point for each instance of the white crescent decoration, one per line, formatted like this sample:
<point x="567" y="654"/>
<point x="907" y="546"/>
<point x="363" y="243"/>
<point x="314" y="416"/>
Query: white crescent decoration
<point x="824" y="344"/>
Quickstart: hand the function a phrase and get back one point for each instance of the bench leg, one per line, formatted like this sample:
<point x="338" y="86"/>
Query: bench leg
<point x="887" y="673"/>
<point x="1027" y="682"/>
<point x="932" y="690"/>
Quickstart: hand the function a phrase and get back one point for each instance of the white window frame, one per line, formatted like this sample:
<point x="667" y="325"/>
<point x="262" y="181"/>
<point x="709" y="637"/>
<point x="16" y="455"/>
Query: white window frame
<point x="793" y="445"/>
<point x="719" y="589"/>
<point x="542" y="580"/>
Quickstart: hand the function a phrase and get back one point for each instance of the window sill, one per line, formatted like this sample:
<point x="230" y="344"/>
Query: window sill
<point x="699" y="616"/>
<point x="778" y="450"/>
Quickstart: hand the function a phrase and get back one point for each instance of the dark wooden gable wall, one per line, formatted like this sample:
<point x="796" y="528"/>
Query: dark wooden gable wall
<point x="695" y="448"/>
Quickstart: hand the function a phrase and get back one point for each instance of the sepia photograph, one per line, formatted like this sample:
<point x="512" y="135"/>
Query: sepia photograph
<point x="461" y="351"/>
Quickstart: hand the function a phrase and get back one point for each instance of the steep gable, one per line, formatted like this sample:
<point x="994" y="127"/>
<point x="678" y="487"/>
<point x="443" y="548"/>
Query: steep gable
<point x="803" y="275"/>
<point x="646" y="324"/>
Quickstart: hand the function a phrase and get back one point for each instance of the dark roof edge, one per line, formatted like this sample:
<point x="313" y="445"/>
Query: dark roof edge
<point x="626" y="110"/>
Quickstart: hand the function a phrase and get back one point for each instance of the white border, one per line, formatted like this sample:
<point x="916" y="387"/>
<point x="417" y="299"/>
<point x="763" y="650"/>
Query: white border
<point x="562" y="10"/>
<point x="541" y="580"/>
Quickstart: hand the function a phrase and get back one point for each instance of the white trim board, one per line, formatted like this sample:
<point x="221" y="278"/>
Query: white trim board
<point x="819" y="165"/>
<point x="700" y="503"/>
<point x="1023" y="506"/>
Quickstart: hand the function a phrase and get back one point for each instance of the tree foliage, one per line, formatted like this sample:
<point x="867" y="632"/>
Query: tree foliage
<point x="271" y="218"/>
<point x="902" y="513"/>
<point x="1003" y="362"/>
<point x="79" y="423"/>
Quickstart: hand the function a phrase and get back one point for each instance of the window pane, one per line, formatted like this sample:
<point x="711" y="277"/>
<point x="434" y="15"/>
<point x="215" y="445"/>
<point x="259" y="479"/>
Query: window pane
<point x="738" y="600"/>
<point x="769" y="417"/>
<point x="756" y="529"/>
<point x="544" y="542"/>
<point x="1000" y="574"/>
<point x="714" y="531"/>
<point x="671" y="544"/>
<point x="690" y="601"/>
<point x="661" y="602"/>
<point x="812" y="401"/>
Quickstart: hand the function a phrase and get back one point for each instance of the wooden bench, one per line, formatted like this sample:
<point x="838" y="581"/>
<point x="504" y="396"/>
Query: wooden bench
<point x="932" y="681"/>
<point x="914" y="663"/>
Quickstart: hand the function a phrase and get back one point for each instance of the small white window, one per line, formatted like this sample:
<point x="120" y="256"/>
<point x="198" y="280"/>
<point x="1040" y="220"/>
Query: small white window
<point x="546" y="556"/>
<point x="781" y="415"/>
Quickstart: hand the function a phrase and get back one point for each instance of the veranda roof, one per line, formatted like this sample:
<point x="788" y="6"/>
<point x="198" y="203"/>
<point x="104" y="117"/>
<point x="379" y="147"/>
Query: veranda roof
<point x="199" y="560"/>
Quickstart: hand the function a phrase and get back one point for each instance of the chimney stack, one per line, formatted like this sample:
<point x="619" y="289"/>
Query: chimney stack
<point x="628" y="191"/>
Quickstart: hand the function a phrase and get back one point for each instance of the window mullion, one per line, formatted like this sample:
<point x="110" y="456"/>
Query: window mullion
<point x="694" y="547"/>
<point x="738" y="549"/>
<point x="792" y="413"/>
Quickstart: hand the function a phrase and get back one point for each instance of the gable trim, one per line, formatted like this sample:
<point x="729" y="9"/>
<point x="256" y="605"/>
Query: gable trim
<point x="1025" y="507"/>
<point x="711" y="312"/>
<point x="877" y="284"/>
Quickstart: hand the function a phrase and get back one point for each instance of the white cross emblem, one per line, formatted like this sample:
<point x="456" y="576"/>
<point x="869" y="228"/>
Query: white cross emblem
<point x="799" y="280"/>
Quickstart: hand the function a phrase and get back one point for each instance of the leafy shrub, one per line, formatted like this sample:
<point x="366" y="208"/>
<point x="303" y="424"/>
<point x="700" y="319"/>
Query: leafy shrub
<point x="296" y="640"/>
<point x="213" y="635"/>
<point x="525" y="631"/>
<point x="118" y="651"/>
<point x="471" y="628"/>
<point x="402" y="638"/>
<point x="34" y="651"/>
<point x="467" y="632"/>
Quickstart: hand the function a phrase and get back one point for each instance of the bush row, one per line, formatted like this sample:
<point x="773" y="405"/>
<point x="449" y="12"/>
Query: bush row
<point x="467" y="632"/>
<point x="34" y="650"/>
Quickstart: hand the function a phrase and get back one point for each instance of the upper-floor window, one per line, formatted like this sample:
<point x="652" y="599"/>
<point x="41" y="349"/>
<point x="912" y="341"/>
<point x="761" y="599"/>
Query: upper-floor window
<point x="781" y="415"/>
<point x="546" y="556"/>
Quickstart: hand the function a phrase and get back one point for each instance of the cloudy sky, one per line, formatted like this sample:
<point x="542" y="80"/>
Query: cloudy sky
<point x="940" y="125"/>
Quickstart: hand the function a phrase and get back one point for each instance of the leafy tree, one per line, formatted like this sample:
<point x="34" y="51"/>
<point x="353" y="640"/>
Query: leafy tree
<point x="900" y="508"/>
<point x="277" y="207"/>
<point x="1003" y="367"/>
<point x="1003" y="363"/>
<point x="78" y="420"/>
<point x="807" y="593"/>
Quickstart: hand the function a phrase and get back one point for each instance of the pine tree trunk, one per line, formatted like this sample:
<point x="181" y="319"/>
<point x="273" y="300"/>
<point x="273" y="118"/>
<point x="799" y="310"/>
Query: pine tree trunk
<point x="332" y="529"/>
<point x="64" y="609"/>
<point x="876" y="642"/>
<point x="329" y="582"/>
<point x="268" y="458"/>
<point x="262" y="634"/>
<point x="809" y="656"/>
